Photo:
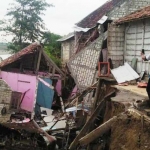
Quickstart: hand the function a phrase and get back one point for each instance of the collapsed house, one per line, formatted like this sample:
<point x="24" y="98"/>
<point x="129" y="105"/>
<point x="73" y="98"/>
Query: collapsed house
<point x="89" y="119"/>
<point x="94" y="33"/>
<point x="29" y="81"/>
<point x="101" y="44"/>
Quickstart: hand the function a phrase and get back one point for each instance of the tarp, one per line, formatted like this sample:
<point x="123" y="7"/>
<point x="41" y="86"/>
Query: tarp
<point x="45" y="94"/>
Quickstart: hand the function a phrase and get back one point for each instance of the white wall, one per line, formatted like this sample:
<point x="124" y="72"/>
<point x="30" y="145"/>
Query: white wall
<point x="137" y="37"/>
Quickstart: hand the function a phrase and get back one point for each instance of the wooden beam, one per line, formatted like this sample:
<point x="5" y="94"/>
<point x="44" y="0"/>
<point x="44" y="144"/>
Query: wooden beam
<point x="39" y="60"/>
<point x="97" y="94"/>
<point x="35" y="60"/>
<point x="53" y="72"/>
<point x="89" y="122"/>
<point x="53" y="64"/>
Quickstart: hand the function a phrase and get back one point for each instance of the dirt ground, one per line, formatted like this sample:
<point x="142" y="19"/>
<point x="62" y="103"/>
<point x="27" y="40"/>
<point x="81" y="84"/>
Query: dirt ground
<point x="130" y="135"/>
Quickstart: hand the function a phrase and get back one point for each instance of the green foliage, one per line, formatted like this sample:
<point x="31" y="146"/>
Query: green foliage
<point x="25" y="23"/>
<point x="26" y="26"/>
<point x="52" y="47"/>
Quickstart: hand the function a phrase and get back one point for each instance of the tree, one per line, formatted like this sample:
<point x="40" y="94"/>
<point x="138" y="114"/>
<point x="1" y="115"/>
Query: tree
<point x="25" y="23"/>
<point x="52" y="47"/>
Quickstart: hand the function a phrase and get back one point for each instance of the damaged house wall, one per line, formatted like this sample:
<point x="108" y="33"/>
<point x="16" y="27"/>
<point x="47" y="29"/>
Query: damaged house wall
<point x="137" y="37"/>
<point x="22" y="83"/>
<point x="67" y="47"/>
<point x="113" y="9"/>
<point x="21" y="72"/>
<point x="83" y="65"/>
<point x="115" y="43"/>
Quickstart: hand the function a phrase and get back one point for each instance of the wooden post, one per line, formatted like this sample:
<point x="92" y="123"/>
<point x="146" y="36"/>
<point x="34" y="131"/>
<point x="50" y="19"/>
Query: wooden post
<point x="53" y="72"/>
<point x="89" y="122"/>
<point x="96" y="94"/>
<point x="39" y="59"/>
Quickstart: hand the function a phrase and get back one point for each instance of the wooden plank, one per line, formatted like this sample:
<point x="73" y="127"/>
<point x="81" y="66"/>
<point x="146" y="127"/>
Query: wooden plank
<point x="89" y="122"/>
<point x="96" y="94"/>
<point x="53" y="64"/>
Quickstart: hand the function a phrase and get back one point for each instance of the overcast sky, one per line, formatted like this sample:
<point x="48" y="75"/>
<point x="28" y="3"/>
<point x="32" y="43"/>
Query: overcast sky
<point x="61" y="18"/>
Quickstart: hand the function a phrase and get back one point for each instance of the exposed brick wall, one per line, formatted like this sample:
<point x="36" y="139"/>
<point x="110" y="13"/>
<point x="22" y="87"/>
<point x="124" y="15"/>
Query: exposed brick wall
<point x="5" y="94"/>
<point x="127" y="7"/>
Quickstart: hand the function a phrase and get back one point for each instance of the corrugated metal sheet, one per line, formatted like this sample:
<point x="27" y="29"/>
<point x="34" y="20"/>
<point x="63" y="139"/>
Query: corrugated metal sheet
<point x="116" y="44"/>
<point x="83" y="65"/>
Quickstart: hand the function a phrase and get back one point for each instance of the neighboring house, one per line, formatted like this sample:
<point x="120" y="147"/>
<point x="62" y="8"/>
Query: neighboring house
<point x="67" y="47"/>
<point x="136" y="28"/>
<point x="94" y="33"/>
<point x="4" y="52"/>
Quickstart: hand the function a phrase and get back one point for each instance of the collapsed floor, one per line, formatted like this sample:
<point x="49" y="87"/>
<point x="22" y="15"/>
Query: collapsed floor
<point x="130" y="134"/>
<point x="102" y="117"/>
<point x="119" y="120"/>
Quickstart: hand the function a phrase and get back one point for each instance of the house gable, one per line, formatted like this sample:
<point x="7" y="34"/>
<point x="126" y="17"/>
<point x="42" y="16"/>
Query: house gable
<point x="30" y="60"/>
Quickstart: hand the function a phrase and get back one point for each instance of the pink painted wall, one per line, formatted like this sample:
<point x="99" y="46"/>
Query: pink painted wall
<point x="58" y="87"/>
<point x="74" y="91"/>
<point x="22" y="83"/>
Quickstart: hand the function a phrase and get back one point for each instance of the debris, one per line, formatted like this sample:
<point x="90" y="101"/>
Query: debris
<point x="142" y="84"/>
<point x="124" y="73"/>
<point x="98" y="131"/>
<point x="123" y="84"/>
<point x="90" y="121"/>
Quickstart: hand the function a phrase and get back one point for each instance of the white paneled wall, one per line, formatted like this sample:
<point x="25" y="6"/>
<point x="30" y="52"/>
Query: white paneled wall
<point x="137" y="35"/>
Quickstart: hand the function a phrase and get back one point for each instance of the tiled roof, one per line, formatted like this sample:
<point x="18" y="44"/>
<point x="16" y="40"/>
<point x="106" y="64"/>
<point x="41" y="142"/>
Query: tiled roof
<point x="29" y="49"/>
<point x="92" y="19"/>
<point x="140" y="14"/>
